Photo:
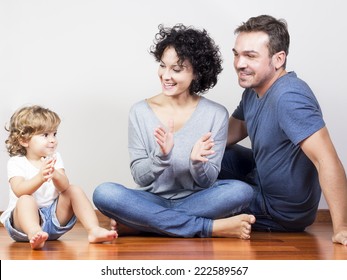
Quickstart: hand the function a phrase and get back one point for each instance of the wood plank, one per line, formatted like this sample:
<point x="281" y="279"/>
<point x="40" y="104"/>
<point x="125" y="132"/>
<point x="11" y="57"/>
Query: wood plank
<point x="314" y="244"/>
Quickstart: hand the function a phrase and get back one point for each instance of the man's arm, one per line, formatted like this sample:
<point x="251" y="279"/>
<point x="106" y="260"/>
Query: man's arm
<point x="332" y="177"/>
<point x="237" y="131"/>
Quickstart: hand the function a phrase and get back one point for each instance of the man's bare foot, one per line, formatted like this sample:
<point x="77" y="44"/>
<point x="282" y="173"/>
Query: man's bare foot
<point x="340" y="237"/>
<point x="237" y="226"/>
<point x="122" y="229"/>
<point x="99" y="234"/>
<point x="37" y="241"/>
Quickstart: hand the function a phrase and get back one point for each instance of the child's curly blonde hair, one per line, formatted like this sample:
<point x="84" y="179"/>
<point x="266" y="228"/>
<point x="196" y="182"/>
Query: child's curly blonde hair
<point x="27" y="122"/>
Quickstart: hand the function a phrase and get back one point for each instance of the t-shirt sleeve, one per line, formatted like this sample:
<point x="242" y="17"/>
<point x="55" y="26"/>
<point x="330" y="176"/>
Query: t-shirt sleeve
<point x="15" y="168"/>
<point x="238" y="113"/>
<point x="300" y="115"/>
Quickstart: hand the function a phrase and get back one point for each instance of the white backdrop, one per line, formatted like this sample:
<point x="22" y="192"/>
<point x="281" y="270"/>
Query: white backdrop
<point x="88" y="60"/>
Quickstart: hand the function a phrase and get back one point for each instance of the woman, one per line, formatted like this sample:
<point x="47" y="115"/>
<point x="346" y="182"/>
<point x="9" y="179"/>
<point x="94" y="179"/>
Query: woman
<point x="176" y="143"/>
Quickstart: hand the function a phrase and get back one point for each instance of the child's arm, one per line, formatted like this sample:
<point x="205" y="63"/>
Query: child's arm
<point x="60" y="180"/>
<point x="20" y="186"/>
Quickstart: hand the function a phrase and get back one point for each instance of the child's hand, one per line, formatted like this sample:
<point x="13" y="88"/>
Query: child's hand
<point x="47" y="168"/>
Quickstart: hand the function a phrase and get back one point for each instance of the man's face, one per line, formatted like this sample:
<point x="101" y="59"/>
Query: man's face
<point x="253" y="65"/>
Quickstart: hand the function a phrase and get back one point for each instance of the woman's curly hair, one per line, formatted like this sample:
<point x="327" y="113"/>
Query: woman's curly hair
<point x="27" y="122"/>
<point x="193" y="45"/>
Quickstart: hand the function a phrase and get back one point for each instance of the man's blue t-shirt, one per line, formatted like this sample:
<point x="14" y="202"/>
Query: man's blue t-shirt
<point x="276" y="123"/>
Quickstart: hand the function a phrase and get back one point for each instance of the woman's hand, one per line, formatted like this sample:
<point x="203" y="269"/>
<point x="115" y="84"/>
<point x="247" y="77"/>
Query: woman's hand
<point x="202" y="148"/>
<point x="165" y="138"/>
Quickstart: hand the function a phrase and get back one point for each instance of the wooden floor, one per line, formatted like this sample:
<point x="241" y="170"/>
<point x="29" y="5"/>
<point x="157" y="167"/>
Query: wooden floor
<point x="314" y="244"/>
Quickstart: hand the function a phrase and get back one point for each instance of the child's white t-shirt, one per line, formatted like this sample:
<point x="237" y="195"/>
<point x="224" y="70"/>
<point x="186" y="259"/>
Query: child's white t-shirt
<point x="21" y="166"/>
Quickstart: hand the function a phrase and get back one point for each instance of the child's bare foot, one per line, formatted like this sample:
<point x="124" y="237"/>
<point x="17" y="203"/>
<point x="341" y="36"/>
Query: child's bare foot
<point x="99" y="234"/>
<point x="37" y="241"/>
<point x="237" y="226"/>
<point x="122" y="229"/>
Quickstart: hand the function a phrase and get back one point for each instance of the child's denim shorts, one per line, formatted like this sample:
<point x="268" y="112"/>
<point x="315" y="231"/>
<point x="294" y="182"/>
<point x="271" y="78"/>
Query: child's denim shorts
<point x="49" y="224"/>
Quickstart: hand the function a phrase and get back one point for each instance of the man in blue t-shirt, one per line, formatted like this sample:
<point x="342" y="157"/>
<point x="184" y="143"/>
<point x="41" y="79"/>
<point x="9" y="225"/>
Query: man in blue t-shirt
<point x="292" y="157"/>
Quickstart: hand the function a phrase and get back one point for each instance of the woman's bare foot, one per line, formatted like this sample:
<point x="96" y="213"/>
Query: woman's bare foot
<point x="99" y="234"/>
<point x="37" y="241"/>
<point x="237" y="226"/>
<point x="122" y="229"/>
<point x="113" y="224"/>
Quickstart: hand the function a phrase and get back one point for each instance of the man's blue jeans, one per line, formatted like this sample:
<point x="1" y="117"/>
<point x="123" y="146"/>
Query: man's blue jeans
<point x="238" y="163"/>
<point x="186" y="217"/>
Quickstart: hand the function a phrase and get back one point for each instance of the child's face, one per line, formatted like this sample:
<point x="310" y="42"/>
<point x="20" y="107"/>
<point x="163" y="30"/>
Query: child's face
<point x="42" y="145"/>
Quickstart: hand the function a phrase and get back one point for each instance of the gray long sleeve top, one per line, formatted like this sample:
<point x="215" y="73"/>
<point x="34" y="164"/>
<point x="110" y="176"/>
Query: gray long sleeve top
<point x="175" y="175"/>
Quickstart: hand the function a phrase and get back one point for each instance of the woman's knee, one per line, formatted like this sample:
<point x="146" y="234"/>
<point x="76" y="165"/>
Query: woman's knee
<point x="238" y="189"/>
<point x="107" y="193"/>
<point x="247" y="191"/>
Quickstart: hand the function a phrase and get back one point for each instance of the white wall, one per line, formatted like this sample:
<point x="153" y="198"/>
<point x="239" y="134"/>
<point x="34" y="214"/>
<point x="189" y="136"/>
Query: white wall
<point x="88" y="60"/>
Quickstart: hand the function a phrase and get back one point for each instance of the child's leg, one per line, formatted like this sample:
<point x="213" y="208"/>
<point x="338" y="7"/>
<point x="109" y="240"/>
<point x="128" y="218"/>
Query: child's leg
<point x="74" y="201"/>
<point x="26" y="218"/>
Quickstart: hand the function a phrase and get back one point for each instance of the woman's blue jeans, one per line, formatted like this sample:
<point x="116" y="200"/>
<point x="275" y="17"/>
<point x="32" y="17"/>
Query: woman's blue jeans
<point x="186" y="217"/>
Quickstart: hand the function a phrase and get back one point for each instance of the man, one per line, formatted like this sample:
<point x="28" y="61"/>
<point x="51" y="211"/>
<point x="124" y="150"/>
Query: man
<point x="292" y="157"/>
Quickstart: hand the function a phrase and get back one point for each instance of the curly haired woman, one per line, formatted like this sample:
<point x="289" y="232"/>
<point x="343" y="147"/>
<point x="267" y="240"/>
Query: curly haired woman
<point x="176" y="143"/>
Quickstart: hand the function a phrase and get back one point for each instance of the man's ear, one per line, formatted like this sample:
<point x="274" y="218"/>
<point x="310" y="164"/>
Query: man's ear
<point x="279" y="59"/>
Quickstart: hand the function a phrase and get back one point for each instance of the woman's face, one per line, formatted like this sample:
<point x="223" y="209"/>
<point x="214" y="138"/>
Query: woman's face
<point x="175" y="77"/>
